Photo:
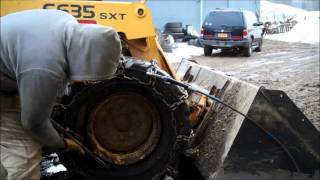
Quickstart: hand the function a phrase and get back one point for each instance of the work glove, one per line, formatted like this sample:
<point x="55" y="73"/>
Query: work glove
<point x="71" y="146"/>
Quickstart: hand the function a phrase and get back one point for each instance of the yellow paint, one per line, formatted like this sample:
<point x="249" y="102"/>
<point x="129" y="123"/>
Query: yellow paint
<point x="123" y="16"/>
<point x="133" y="19"/>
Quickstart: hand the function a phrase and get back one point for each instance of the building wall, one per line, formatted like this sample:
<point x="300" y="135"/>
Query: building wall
<point x="163" y="11"/>
<point x="190" y="11"/>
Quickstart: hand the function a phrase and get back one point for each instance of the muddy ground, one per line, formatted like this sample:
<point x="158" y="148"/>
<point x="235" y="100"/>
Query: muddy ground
<point x="291" y="67"/>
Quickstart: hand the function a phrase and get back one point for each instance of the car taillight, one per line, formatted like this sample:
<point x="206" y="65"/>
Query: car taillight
<point x="205" y="34"/>
<point x="236" y="38"/>
<point x="245" y="33"/>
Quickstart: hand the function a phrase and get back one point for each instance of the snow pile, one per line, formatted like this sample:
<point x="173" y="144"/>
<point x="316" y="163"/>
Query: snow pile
<point x="307" y="29"/>
<point x="274" y="12"/>
<point x="51" y="164"/>
<point x="183" y="51"/>
<point x="55" y="169"/>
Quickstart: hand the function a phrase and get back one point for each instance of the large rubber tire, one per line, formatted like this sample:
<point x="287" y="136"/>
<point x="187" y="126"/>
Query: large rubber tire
<point x="259" y="48"/>
<point x="173" y="123"/>
<point x="247" y="51"/>
<point x="207" y="50"/>
<point x="174" y="30"/>
<point x="174" y="25"/>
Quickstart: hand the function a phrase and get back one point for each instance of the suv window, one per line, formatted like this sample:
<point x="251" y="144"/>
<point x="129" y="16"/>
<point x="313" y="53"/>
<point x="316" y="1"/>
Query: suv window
<point x="218" y="18"/>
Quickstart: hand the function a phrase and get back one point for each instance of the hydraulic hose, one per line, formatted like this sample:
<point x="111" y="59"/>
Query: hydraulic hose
<point x="191" y="88"/>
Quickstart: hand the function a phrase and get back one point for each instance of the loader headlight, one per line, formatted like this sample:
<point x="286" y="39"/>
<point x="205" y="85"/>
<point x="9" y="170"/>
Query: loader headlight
<point x="140" y="12"/>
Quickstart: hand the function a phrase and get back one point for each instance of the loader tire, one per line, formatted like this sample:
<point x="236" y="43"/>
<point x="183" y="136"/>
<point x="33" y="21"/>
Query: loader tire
<point x="174" y="25"/>
<point x="152" y="165"/>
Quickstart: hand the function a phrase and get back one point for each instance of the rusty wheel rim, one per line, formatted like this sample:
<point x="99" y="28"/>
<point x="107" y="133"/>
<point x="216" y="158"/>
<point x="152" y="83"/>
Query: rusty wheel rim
<point x="124" y="128"/>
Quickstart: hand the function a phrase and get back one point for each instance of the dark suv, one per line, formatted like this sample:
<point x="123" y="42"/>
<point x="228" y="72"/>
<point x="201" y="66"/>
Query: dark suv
<point x="231" y="29"/>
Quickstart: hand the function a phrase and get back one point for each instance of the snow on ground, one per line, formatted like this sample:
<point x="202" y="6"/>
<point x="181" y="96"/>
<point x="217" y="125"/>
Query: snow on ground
<point x="55" y="169"/>
<point x="307" y="29"/>
<point x="183" y="51"/>
<point x="50" y="164"/>
<point x="278" y="12"/>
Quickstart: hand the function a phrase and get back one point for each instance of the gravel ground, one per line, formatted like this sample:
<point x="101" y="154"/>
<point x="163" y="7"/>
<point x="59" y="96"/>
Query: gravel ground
<point x="291" y="67"/>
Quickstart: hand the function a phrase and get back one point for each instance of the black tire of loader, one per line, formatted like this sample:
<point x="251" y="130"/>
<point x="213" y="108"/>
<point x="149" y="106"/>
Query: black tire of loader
<point x="165" y="154"/>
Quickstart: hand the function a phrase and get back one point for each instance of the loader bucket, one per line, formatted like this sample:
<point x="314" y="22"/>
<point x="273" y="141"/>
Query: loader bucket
<point x="279" y="143"/>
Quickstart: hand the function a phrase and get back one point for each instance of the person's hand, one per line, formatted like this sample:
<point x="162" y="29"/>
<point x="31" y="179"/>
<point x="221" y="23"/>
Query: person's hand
<point x="71" y="145"/>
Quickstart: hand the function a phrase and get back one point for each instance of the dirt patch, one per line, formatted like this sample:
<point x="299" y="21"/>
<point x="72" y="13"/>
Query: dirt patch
<point x="291" y="67"/>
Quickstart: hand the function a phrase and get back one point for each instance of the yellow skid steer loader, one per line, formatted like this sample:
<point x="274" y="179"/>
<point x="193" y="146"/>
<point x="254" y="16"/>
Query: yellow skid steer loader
<point x="152" y="121"/>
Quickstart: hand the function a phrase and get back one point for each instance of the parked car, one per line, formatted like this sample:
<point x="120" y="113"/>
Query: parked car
<point x="231" y="29"/>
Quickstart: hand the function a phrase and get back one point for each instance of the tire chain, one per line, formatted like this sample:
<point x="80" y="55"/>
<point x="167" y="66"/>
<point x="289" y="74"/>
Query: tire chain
<point x="60" y="108"/>
<point x="121" y="72"/>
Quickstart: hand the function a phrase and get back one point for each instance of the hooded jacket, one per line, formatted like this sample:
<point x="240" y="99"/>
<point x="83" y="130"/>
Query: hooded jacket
<point x="40" y="51"/>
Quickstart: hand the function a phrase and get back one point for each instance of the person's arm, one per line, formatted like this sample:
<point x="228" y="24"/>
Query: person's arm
<point x="38" y="90"/>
